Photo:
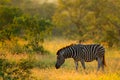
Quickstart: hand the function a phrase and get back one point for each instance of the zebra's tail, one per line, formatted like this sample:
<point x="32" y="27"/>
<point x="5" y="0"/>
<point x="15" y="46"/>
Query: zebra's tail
<point x="104" y="63"/>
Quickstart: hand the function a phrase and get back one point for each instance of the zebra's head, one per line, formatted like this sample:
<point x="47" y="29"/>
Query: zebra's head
<point x="60" y="59"/>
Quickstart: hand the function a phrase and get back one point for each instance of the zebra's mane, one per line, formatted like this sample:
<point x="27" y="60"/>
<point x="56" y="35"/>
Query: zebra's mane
<point x="65" y="48"/>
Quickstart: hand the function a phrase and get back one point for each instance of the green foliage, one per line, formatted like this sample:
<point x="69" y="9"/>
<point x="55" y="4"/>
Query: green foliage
<point x="7" y="28"/>
<point x="16" y="48"/>
<point x="34" y="47"/>
<point x="7" y="14"/>
<point x="47" y="10"/>
<point x="89" y="19"/>
<point x="27" y="63"/>
<point x="34" y="29"/>
<point x="79" y="19"/>
<point x="12" y="71"/>
<point x="20" y="20"/>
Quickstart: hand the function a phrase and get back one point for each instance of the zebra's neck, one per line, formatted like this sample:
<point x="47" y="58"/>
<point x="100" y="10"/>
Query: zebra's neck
<point x="68" y="53"/>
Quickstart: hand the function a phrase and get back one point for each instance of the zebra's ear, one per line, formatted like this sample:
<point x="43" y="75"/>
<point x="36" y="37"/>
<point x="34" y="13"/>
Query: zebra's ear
<point x="58" y="52"/>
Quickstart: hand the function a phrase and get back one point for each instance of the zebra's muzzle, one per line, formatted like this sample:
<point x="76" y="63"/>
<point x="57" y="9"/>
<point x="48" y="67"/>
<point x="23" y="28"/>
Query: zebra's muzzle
<point x="57" y="66"/>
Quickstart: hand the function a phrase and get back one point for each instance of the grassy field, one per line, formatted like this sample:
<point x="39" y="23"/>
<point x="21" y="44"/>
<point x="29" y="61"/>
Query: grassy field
<point x="67" y="71"/>
<point x="45" y="69"/>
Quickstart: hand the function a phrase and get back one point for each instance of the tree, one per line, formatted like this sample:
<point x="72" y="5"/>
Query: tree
<point x="34" y="30"/>
<point x="106" y="13"/>
<point x="89" y="19"/>
<point x="71" y="13"/>
<point x="34" y="7"/>
<point x="7" y="15"/>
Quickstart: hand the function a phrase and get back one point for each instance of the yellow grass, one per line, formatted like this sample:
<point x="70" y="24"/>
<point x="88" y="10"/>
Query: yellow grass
<point x="64" y="74"/>
<point x="112" y="71"/>
<point x="16" y="57"/>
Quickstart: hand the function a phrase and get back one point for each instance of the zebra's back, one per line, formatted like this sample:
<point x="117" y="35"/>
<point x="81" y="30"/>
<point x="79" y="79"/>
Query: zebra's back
<point x="89" y="52"/>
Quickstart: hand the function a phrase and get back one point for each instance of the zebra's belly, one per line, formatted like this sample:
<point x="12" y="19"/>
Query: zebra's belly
<point x="89" y="60"/>
<point x="89" y="56"/>
<point x="86" y="60"/>
<point x="85" y="57"/>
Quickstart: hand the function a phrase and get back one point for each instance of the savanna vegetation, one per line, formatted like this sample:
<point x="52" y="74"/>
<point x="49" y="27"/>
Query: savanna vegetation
<point x="31" y="32"/>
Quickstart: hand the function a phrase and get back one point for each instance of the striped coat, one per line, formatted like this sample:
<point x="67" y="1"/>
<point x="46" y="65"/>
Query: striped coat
<point x="82" y="53"/>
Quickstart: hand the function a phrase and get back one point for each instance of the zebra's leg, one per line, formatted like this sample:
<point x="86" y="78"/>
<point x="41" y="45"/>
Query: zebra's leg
<point x="99" y="63"/>
<point x="83" y="64"/>
<point x="102" y="64"/>
<point x="76" y="65"/>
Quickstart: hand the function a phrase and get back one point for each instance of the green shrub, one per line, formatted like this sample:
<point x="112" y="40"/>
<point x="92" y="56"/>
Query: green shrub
<point x="13" y="71"/>
<point x="16" y="49"/>
<point x="35" y="48"/>
<point x="27" y="63"/>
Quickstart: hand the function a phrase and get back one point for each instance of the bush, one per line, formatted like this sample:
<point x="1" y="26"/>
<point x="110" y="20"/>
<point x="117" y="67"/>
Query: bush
<point x="13" y="47"/>
<point x="12" y="71"/>
<point x="17" y="49"/>
<point x="27" y="63"/>
<point x="37" y="49"/>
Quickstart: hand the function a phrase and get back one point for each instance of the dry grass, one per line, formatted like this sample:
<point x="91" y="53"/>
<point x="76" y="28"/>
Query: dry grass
<point x="112" y="72"/>
<point x="64" y="74"/>
<point x="67" y="72"/>
<point x="16" y="57"/>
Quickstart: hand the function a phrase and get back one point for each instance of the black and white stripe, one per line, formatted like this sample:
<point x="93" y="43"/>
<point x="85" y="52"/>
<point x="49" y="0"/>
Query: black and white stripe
<point x="82" y="53"/>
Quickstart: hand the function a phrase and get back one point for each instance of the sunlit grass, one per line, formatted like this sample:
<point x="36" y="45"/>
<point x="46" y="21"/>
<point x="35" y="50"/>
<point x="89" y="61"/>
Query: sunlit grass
<point x="64" y="74"/>
<point x="45" y="64"/>
<point x="67" y="71"/>
<point x="16" y="57"/>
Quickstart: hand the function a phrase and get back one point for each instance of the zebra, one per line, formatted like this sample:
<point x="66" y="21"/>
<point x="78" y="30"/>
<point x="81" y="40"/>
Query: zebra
<point x="82" y="53"/>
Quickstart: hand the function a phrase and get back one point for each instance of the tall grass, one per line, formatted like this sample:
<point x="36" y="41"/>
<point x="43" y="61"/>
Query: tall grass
<point x="67" y="71"/>
<point x="43" y="66"/>
<point x="65" y="74"/>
